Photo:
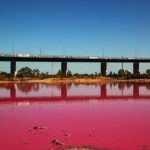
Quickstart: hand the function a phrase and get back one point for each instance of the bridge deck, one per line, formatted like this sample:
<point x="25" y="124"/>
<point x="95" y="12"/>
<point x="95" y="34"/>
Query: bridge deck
<point x="64" y="58"/>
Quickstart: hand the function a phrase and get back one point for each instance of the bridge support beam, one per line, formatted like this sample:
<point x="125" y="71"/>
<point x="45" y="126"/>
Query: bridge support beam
<point x="136" y="68"/>
<point x="63" y="91"/>
<point x="103" y="91"/>
<point x="13" y="68"/>
<point x="136" y="90"/>
<point x="13" y="92"/>
<point x="103" y="68"/>
<point x="63" y="68"/>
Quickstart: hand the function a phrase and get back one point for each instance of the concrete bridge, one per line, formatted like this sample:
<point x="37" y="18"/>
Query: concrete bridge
<point x="63" y="59"/>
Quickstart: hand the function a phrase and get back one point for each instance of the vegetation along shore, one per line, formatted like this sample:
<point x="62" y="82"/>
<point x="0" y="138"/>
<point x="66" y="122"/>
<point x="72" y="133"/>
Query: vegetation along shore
<point x="27" y="74"/>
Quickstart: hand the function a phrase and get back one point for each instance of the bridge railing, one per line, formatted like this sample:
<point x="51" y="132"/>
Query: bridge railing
<point x="68" y="56"/>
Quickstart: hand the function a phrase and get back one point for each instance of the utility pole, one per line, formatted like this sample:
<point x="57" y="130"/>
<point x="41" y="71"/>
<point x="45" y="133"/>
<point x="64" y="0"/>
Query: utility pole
<point x="122" y="63"/>
<point x="52" y="68"/>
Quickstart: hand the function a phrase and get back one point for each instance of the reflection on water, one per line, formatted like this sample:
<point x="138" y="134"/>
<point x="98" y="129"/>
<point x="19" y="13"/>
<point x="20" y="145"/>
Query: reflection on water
<point x="73" y="91"/>
<point x="114" y="116"/>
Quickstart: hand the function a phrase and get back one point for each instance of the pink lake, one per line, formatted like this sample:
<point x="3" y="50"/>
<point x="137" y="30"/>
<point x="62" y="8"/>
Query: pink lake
<point x="112" y="116"/>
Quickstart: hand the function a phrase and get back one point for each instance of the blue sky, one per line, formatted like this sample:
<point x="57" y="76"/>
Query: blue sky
<point x="76" y="27"/>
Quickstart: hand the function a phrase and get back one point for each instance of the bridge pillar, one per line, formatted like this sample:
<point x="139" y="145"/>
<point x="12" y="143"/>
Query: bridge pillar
<point x="63" y="91"/>
<point x="103" y="68"/>
<point x="13" y="92"/>
<point x="103" y="91"/>
<point x="136" y="90"/>
<point x="13" y="68"/>
<point x="63" y="68"/>
<point x="136" y="68"/>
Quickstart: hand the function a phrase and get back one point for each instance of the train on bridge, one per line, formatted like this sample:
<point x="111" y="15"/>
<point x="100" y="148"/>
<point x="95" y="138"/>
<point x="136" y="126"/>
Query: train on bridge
<point x="23" y="55"/>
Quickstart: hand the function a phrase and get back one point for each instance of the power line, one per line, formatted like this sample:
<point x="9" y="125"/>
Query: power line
<point x="52" y="68"/>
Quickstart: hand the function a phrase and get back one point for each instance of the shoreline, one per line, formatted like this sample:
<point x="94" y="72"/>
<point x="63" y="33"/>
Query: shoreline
<point x="97" y="80"/>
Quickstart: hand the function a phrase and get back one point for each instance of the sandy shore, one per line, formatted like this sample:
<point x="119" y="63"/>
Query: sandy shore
<point x="60" y="80"/>
<point x="97" y="80"/>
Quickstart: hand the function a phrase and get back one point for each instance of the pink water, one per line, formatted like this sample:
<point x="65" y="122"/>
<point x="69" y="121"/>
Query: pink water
<point x="112" y="116"/>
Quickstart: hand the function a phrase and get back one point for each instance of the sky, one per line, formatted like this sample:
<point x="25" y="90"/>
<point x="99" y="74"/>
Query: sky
<point x="75" y="27"/>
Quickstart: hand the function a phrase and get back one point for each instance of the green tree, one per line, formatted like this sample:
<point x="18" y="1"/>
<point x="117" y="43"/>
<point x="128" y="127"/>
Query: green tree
<point x="148" y="72"/>
<point x="25" y="72"/>
<point x="96" y="74"/>
<point x="35" y="72"/>
<point x="121" y="73"/>
<point x="110" y="74"/>
<point x="128" y="74"/>
<point x="4" y="75"/>
<point x="59" y="73"/>
<point x="69" y="74"/>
